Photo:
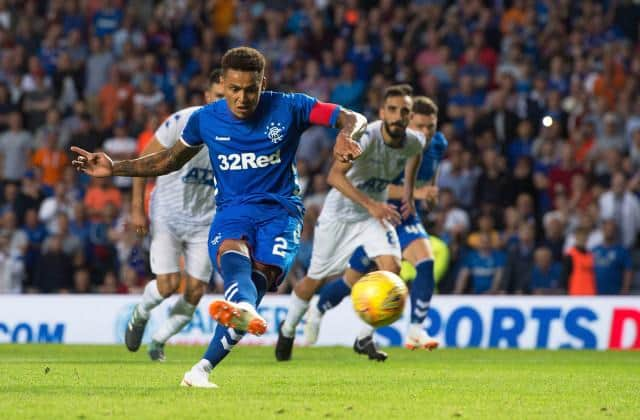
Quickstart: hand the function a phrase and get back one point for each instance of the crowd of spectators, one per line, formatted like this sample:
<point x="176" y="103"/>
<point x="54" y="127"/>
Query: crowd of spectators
<point x="539" y="100"/>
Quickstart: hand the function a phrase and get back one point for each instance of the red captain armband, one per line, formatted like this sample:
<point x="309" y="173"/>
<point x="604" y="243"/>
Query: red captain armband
<point x="324" y="113"/>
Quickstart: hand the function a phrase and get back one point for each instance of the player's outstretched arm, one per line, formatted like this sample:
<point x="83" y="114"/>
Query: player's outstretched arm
<point x="352" y="126"/>
<point x="100" y="165"/>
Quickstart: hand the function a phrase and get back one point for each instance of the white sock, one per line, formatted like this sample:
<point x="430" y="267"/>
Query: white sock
<point x="414" y="329"/>
<point x="366" y="332"/>
<point x="203" y="364"/>
<point x="180" y="316"/>
<point x="247" y="306"/>
<point x="150" y="299"/>
<point x="297" y="309"/>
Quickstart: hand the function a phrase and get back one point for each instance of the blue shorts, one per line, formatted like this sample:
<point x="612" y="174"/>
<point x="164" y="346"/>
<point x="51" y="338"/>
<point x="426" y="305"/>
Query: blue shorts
<point x="272" y="233"/>
<point x="409" y="230"/>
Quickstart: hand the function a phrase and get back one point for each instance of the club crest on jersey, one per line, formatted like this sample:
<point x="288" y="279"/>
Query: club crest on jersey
<point x="216" y="239"/>
<point x="275" y="132"/>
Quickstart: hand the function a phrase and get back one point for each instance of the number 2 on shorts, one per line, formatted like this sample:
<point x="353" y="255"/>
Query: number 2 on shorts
<point x="280" y="247"/>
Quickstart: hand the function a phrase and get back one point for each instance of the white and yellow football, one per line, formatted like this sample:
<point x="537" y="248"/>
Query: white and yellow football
<point x="379" y="297"/>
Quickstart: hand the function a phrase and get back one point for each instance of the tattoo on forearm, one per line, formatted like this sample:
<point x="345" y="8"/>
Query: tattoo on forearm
<point x="155" y="164"/>
<point x="352" y="124"/>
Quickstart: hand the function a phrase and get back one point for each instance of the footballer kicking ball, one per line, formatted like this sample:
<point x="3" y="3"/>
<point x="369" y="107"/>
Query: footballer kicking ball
<point x="378" y="298"/>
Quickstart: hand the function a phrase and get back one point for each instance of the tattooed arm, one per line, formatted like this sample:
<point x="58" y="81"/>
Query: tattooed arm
<point x="156" y="164"/>
<point x="352" y="125"/>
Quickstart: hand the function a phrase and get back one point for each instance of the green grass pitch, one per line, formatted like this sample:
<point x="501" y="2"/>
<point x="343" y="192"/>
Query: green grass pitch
<point x="83" y="382"/>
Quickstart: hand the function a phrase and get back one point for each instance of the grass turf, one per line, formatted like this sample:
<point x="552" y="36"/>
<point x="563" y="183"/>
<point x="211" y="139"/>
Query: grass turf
<point x="81" y="382"/>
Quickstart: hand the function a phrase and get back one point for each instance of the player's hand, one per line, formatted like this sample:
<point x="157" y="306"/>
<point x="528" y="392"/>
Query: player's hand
<point x="385" y="212"/>
<point x="408" y="208"/>
<point x="346" y="149"/>
<point x="139" y="223"/>
<point x="428" y="193"/>
<point x="95" y="164"/>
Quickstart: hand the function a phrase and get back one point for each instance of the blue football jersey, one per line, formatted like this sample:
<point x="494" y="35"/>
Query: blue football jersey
<point x="254" y="160"/>
<point x="431" y="158"/>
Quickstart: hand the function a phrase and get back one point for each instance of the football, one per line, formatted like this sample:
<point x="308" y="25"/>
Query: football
<point x="379" y="297"/>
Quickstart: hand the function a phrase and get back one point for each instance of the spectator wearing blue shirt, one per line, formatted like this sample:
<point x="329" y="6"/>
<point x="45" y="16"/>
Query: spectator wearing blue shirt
<point x="521" y="146"/>
<point x="520" y="260"/>
<point x="546" y="274"/>
<point x="471" y="66"/>
<point x="363" y="55"/>
<point x="107" y="20"/>
<point x="484" y="267"/>
<point x="36" y="234"/>
<point x="612" y="263"/>
<point x="349" y="92"/>
<point x="464" y="101"/>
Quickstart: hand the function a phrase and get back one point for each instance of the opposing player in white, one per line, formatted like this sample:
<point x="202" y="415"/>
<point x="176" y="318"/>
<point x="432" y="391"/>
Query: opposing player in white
<point x="414" y="240"/>
<point x="356" y="213"/>
<point x="181" y="210"/>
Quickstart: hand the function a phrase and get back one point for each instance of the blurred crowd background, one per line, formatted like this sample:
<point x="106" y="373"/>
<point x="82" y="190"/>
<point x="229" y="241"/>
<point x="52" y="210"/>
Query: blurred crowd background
<point x="539" y="100"/>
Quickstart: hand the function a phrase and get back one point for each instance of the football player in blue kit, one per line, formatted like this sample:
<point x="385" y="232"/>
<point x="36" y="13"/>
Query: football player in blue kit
<point x="413" y="239"/>
<point x="252" y="137"/>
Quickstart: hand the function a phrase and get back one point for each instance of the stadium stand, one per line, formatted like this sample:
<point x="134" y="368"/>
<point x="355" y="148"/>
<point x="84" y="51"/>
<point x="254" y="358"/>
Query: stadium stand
<point x="539" y="99"/>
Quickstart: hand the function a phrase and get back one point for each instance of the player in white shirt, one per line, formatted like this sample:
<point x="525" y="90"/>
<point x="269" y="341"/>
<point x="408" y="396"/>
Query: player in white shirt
<point x="181" y="209"/>
<point x="356" y="212"/>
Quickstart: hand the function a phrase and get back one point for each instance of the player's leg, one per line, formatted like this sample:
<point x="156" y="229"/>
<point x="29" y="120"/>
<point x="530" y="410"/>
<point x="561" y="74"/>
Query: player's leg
<point x="238" y="309"/>
<point x="333" y="244"/>
<point x="165" y="253"/>
<point x="417" y="250"/>
<point x="197" y="266"/>
<point x="245" y="285"/>
<point x="334" y="292"/>
<point x="382" y="245"/>
<point x="229" y="241"/>
<point x="180" y="315"/>
<point x="234" y="263"/>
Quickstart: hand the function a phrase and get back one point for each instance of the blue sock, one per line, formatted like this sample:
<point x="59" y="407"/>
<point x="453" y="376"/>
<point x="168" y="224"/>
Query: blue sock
<point x="332" y="294"/>
<point x="221" y="344"/>
<point x="236" y="273"/>
<point x="421" y="291"/>
<point x="235" y="269"/>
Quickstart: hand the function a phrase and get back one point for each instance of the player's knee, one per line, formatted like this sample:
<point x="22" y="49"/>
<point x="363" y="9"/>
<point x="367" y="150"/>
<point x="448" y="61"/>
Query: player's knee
<point x="269" y="271"/>
<point x="194" y="291"/>
<point x="168" y="284"/>
<point x="236" y="245"/>
<point x="352" y="276"/>
<point x="418" y="250"/>
<point x="389" y="264"/>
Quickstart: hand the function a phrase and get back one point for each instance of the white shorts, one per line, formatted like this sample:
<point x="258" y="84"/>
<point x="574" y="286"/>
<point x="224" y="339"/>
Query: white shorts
<point x="334" y="243"/>
<point x="169" y="242"/>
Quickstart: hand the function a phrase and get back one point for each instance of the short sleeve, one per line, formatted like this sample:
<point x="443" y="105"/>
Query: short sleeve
<point x="365" y="142"/>
<point x="167" y="132"/>
<point x="309" y="110"/>
<point x="191" y="133"/>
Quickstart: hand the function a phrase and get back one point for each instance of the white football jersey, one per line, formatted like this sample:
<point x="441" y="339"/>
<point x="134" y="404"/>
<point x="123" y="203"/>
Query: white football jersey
<point x="377" y="167"/>
<point x="186" y="196"/>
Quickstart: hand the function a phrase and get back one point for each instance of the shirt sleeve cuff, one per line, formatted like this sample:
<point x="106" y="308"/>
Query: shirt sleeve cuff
<point x="189" y="145"/>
